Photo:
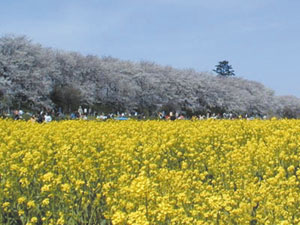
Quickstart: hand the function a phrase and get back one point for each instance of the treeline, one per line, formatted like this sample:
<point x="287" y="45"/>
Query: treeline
<point x="33" y="77"/>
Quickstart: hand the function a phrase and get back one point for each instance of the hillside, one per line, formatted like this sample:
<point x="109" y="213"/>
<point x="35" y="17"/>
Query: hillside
<point x="34" y="77"/>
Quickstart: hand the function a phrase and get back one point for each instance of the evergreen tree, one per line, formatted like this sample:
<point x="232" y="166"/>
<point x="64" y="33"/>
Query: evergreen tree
<point x="224" y="69"/>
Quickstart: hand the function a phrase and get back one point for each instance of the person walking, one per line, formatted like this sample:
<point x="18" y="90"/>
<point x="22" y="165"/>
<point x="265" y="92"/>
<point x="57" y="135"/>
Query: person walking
<point x="48" y="118"/>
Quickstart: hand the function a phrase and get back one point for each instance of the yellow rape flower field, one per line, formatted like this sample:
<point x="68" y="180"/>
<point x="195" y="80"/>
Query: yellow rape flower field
<point x="150" y="172"/>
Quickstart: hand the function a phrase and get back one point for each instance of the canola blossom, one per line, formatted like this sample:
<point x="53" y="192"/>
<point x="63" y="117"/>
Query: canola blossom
<point x="150" y="172"/>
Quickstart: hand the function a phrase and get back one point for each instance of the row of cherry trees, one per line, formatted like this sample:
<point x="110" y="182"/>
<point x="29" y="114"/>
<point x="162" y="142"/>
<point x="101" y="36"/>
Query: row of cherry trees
<point x="32" y="77"/>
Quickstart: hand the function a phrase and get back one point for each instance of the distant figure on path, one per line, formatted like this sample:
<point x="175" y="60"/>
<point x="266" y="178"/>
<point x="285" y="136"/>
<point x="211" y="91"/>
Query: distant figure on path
<point x="48" y="118"/>
<point x="80" y="111"/>
<point x="16" y="115"/>
<point x="33" y="119"/>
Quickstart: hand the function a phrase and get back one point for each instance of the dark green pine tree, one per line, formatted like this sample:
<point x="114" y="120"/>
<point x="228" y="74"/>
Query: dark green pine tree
<point x="224" y="69"/>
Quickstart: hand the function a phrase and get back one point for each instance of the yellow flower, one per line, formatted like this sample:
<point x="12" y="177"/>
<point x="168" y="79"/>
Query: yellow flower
<point x="184" y="165"/>
<point x="6" y="206"/>
<point x="45" y="202"/>
<point x="31" y="204"/>
<point x="48" y="177"/>
<point x="65" y="187"/>
<point x="61" y="221"/>
<point x="21" y="200"/>
<point x="21" y="212"/>
<point x="46" y="188"/>
<point x="33" y="220"/>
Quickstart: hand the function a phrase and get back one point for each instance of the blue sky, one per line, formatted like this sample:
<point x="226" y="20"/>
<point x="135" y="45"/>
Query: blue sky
<point x="260" y="38"/>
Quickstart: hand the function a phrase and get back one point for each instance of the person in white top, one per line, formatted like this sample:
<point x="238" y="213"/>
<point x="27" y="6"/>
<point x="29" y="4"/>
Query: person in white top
<point x="48" y="118"/>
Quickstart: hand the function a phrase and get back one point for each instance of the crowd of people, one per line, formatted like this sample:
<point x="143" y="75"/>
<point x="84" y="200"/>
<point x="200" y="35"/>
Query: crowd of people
<point x="46" y="116"/>
<point x="40" y="118"/>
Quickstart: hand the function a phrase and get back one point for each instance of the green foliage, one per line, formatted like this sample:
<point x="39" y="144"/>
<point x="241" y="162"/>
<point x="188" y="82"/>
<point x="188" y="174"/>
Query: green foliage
<point x="66" y="97"/>
<point x="224" y="69"/>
